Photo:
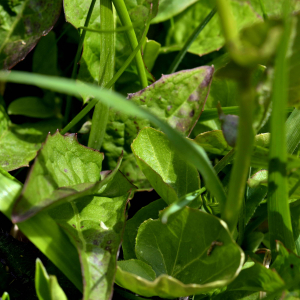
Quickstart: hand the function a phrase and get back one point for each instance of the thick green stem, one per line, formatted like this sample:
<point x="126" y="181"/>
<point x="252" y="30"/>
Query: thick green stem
<point x="280" y="226"/>
<point x="107" y="65"/>
<point x="126" y="21"/>
<point x="93" y="102"/>
<point x="77" y="57"/>
<point x="242" y="159"/>
<point x="228" y="23"/>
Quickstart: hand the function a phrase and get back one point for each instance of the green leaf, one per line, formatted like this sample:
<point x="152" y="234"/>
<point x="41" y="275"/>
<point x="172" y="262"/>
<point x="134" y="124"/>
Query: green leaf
<point x="213" y="142"/>
<point x="5" y="296"/>
<point x="287" y="264"/>
<point x="257" y="278"/>
<point x="45" y="56"/>
<point x="43" y="232"/>
<point x="113" y="185"/>
<point x="178" y="99"/>
<point x="132" y="225"/>
<point x="193" y="153"/>
<point x="47" y="287"/>
<point x="20" y="32"/>
<point x="19" y="143"/>
<point x="184" y="256"/>
<point x="211" y="37"/>
<point x="252" y="241"/>
<point x="150" y="53"/>
<point x="95" y="225"/>
<point x="168" y="9"/>
<point x="31" y="107"/>
<point x="170" y="175"/>
<point x="138" y="268"/>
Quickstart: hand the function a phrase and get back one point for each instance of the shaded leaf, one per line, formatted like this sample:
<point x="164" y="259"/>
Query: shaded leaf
<point x="169" y="174"/>
<point x="45" y="56"/>
<point x="178" y="99"/>
<point x="211" y="38"/>
<point x="23" y="23"/>
<point x="31" y="107"/>
<point x="19" y="143"/>
<point x="132" y="225"/>
<point x="178" y="253"/>
<point x="47" y="287"/>
<point x="168" y="9"/>
<point x="257" y="278"/>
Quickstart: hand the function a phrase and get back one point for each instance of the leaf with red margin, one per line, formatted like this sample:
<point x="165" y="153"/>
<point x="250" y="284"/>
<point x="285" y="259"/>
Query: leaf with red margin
<point x="23" y="23"/>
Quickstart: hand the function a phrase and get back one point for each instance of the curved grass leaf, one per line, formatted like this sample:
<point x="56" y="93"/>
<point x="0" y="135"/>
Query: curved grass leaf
<point x="184" y="255"/>
<point x="47" y="287"/>
<point x="23" y="23"/>
<point x="178" y="99"/>
<point x="131" y="229"/>
<point x="193" y="153"/>
<point x="170" y="175"/>
<point x="43" y="232"/>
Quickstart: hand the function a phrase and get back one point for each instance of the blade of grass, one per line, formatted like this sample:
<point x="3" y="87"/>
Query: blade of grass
<point x="180" y="203"/>
<point x="263" y="9"/>
<point x="77" y="57"/>
<point x="121" y="29"/>
<point x="190" y="40"/>
<point x="93" y="102"/>
<point x="126" y="21"/>
<point x="107" y="66"/>
<point x="280" y="226"/>
<point x="191" y="152"/>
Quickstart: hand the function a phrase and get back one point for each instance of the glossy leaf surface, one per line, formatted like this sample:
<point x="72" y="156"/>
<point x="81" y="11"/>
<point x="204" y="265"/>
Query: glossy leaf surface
<point x="23" y="23"/>
<point x="169" y="174"/>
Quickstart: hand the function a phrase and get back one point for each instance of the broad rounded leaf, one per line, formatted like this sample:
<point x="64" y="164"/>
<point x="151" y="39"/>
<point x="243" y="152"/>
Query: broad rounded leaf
<point x="187" y="255"/>
<point x="23" y="23"/>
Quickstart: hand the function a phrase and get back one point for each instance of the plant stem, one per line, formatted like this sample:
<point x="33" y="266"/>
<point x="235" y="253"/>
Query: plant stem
<point x="107" y="66"/>
<point x="126" y="21"/>
<point x="77" y="57"/>
<point x="93" y="102"/>
<point x="190" y="40"/>
<point x="228" y="23"/>
<point x="242" y="159"/>
<point x="280" y="226"/>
